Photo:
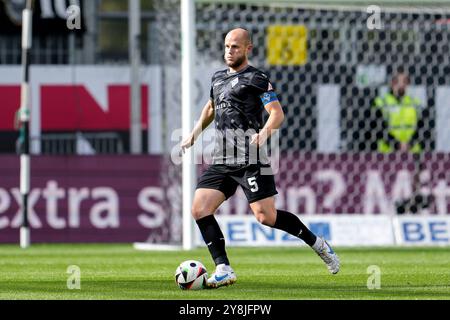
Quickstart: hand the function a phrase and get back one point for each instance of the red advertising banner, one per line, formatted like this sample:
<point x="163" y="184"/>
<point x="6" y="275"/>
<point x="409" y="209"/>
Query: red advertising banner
<point x="82" y="112"/>
<point x="73" y="98"/>
<point x="72" y="108"/>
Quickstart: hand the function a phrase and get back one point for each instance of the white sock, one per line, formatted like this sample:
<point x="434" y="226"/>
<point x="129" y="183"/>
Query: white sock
<point x="318" y="244"/>
<point x="223" y="267"/>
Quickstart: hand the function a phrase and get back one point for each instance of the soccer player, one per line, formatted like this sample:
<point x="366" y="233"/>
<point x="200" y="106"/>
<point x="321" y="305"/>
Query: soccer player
<point x="238" y="96"/>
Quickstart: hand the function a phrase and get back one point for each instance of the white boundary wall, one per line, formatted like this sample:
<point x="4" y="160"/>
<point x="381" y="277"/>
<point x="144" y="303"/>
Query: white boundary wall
<point x="342" y="230"/>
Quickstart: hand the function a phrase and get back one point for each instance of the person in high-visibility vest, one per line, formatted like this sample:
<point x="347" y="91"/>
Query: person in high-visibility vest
<point x="402" y="127"/>
<point x="400" y="116"/>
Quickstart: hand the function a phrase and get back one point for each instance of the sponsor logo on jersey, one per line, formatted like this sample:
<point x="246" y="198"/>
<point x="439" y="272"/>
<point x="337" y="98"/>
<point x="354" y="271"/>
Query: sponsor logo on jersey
<point x="222" y="105"/>
<point x="234" y="82"/>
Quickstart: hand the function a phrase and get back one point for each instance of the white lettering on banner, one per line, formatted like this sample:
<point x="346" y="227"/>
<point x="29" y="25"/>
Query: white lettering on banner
<point x="441" y="193"/>
<point x="101" y="207"/>
<point x="5" y="202"/>
<point x="76" y="196"/>
<point x="33" y="219"/>
<point x="104" y="213"/>
<point x="376" y="199"/>
<point x="52" y="193"/>
<point x="402" y="188"/>
<point x="145" y="202"/>
<point x="110" y="206"/>
<point x="375" y="194"/>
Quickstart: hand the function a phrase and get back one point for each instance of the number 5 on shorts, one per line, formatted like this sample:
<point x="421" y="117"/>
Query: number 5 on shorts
<point x="253" y="184"/>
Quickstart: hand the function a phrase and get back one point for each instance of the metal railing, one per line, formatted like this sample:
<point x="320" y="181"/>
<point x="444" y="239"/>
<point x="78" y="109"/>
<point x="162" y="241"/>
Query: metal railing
<point x="80" y="143"/>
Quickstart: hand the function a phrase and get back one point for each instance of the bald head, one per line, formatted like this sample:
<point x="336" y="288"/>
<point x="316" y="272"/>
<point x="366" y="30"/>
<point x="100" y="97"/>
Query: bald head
<point x="237" y="47"/>
<point x="239" y="34"/>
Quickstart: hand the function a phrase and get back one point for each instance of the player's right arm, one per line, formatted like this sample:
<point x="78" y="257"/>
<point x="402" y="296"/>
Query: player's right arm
<point x="206" y="117"/>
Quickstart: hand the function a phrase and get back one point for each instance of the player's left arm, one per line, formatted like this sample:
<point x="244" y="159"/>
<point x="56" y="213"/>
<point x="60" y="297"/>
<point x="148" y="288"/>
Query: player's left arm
<point x="262" y="86"/>
<point x="276" y="117"/>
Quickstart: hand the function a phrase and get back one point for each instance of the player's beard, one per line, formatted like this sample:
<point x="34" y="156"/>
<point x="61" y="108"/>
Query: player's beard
<point x="236" y="63"/>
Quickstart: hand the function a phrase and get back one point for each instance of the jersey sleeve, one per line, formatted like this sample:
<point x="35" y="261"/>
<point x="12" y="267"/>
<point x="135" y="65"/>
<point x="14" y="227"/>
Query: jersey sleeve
<point x="264" y="89"/>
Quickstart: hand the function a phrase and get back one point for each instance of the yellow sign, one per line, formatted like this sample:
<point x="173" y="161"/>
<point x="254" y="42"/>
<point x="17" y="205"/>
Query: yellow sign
<point x="287" y="45"/>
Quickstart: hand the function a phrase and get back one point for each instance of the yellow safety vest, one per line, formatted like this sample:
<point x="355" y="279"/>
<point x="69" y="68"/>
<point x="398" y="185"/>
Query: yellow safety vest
<point x="401" y="116"/>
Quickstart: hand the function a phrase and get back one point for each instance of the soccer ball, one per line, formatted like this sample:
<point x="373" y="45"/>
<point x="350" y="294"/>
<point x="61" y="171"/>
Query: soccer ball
<point x="191" y="275"/>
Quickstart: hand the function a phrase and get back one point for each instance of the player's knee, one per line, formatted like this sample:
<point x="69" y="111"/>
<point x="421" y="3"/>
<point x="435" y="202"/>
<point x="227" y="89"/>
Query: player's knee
<point x="199" y="211"/>
<point x="265" y="218"/>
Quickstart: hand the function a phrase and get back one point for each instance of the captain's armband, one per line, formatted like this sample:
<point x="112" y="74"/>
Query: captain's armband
<point x="268" y="97"/>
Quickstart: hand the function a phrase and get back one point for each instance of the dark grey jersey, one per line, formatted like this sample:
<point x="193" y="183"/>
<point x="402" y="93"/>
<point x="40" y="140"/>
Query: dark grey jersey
<point x="239" y="99"/>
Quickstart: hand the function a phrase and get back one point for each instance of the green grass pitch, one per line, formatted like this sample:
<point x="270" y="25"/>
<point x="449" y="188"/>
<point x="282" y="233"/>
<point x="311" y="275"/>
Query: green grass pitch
<point x="121" y="272"/>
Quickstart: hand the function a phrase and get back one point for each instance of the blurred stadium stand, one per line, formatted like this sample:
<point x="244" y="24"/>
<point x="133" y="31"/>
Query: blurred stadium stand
<point x="340" y="47"/>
